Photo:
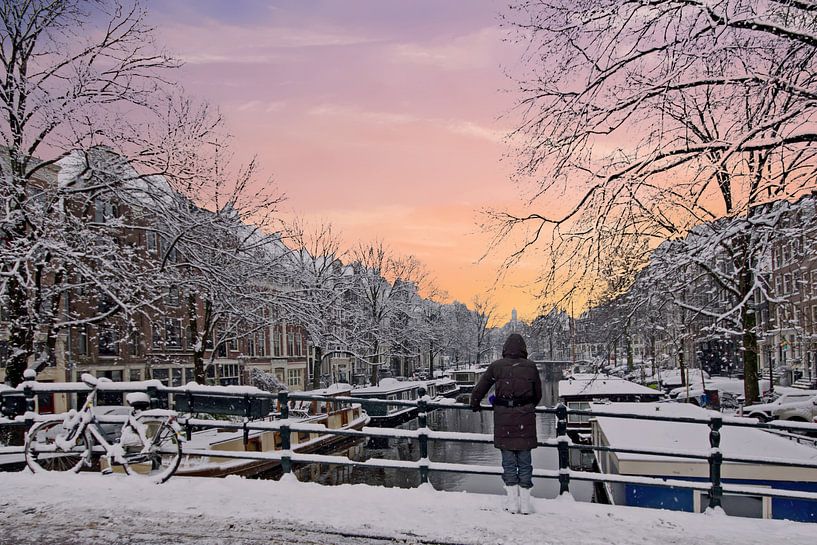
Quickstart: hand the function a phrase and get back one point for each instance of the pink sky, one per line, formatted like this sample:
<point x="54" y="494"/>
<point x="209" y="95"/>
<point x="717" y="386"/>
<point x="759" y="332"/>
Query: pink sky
<point x="382" y="117"/>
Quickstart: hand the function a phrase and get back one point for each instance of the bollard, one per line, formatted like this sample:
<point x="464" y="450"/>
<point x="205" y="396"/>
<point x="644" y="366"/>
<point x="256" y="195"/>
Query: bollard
<point x="563" y="451"/>
<point x="715" y="461"/>
<point x="422" y="423"/>
<point x="286" y="443"/>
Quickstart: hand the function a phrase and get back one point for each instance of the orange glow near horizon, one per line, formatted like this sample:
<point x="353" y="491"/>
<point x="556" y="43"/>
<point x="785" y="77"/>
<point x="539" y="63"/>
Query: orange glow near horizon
<point x="384" y="119"/>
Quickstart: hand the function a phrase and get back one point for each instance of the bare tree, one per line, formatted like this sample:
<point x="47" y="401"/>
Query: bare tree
<point x="483" y="314"/>
<point x="656" y="117"/>
<point x="321" y="282"/>
<point x="385" y="292"/>
<point x="77" y="77"/>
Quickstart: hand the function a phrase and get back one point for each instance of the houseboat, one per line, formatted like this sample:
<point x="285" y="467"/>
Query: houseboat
<point x="393" y="389"/>
<point x="580" y="390"/>
<point x="442" y="388"/>
<point x="467" y="378"/>
<point x="692" y="437"/>
<point x="331" y="414"/>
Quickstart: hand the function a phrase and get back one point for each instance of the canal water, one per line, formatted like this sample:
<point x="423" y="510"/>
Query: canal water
<point x="459" y="453"/>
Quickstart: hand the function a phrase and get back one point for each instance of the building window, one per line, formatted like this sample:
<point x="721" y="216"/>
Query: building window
<point x="787" y="283"/>
<point x="290" y="341"/>
<point x="250" y="346"/>
<point x="161" y="374"/>
<point x="105" y="211"/>
<point x="276" y="340"/>
<point x="260" y="343"/>
<point x="105" y="304"/>
<point x="171" y="250"/>
<point x="107" y="341"/>
<point x="152" y="242"/>
<point x="156" y="335"/>
<point x="133" y="342"/>
<point x="135" y="375"/>
<point x="293" y="377"/>
<point x="82" y="340"/>
<point x="172" y="298"/>
<point x="173" y="334"/>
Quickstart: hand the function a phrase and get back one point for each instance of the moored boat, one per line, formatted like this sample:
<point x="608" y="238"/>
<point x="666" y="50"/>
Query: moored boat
<point x="744" y="481"/>
<point x="579" y="391"/>
<point x="467" y="378"/>
<point x="391" y="389"/>
<point x="331" y="414"/>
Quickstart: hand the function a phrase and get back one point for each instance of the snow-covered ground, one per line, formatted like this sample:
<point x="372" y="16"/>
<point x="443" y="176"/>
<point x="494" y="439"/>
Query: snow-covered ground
<point x="89" y="508"/>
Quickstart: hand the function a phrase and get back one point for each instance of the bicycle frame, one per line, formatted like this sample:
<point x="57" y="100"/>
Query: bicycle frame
<point x="85" y="419"/>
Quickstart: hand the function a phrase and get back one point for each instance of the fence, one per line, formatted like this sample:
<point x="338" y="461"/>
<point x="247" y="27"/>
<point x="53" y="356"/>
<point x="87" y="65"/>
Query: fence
<point x="252" y="404"/>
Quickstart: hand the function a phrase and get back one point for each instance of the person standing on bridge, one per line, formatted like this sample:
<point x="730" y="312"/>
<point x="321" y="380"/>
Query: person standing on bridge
<point x="517" y="391"/>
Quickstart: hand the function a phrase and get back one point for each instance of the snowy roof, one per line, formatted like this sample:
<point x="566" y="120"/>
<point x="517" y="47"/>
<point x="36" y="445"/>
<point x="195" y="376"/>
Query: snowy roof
<point x="673" y="376"/>
<point x="334" y="389"/>
<point x="389" y="385"/>
<point x="690" y="437"/>
<point x="600" y="386"/>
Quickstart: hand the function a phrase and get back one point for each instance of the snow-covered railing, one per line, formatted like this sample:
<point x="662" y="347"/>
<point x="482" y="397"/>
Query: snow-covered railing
<point x="285" y="426"/>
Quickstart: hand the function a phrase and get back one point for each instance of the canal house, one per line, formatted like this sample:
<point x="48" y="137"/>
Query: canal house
<point x="687" y="437"/>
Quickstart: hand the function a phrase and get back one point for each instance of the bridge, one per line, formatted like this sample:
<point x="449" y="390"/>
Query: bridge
<point x="36" y="505"/>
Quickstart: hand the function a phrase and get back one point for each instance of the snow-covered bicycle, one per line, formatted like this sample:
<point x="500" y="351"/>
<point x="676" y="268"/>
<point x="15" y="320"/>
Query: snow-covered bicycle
<point x="143" y="443"/>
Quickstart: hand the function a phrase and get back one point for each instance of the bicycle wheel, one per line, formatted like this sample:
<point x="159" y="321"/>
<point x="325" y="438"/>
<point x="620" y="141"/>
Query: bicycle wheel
<point x="51" y="447"/>
<point x="159" y="457"/>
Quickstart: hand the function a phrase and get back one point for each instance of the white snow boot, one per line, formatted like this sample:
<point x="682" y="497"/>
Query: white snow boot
<point x="525" y="506"/>
<point x="512" y="499"/>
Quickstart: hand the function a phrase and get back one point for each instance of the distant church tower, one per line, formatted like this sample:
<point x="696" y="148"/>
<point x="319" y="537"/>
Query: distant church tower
<point x="514" y="321"/>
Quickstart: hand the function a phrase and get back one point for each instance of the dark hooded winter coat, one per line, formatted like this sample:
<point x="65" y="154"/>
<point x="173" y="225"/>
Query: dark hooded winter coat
<point x="515" y="378"/>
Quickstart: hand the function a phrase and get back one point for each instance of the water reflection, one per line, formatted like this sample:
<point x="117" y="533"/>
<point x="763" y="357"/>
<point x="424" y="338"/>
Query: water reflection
<point x="439" y="451"/>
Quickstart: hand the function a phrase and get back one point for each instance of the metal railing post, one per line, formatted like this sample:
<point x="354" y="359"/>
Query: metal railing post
<point x="715" y="461"/>
<point x="28" y="392"/>
<point x="153" y="395"/>
<point x="562" y="448"/>
<point x="246" y="419"/>
<point x="286" y="443"/>
<point x="422" y="424"/>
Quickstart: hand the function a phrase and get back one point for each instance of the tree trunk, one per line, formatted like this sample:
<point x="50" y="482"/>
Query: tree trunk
<point x="317" y="368"/>
<point x="375" y="365"/>
<point x="199" y="336"/>
<point x="21" y="334"/>
<point x="629" y="353"/>
<point x="748" y="320"/>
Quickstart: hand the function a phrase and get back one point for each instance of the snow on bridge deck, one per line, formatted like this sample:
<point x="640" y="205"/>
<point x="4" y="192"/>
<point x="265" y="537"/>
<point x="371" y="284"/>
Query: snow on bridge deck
<point x="89" y="508"/>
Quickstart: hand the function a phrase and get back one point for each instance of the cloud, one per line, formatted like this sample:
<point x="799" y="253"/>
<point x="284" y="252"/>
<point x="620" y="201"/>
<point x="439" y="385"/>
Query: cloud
<point x="217" y="43"/>
<point x="468" y="128"/>
<point x="459" y="127"/>
<point x="474" y="50"/>
<point x="374" y="117"/>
